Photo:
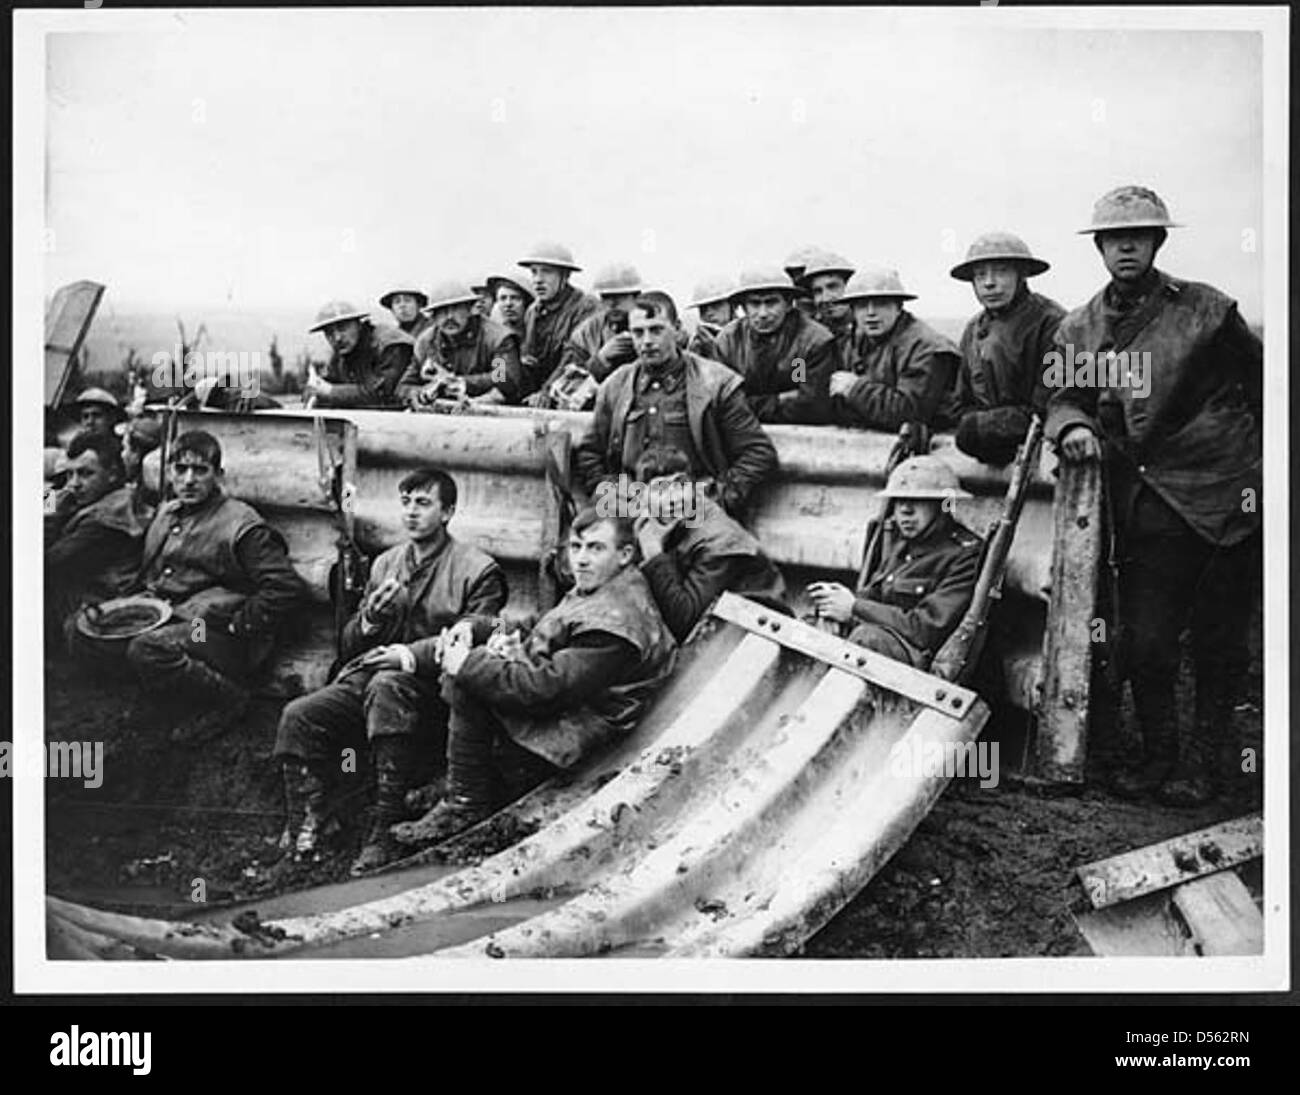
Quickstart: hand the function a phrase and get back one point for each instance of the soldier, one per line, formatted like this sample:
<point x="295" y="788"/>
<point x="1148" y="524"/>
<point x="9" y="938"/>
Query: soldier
<point x="599" y="344"/>
<point x="712" y="302"/>
<point x="94" y="537"/>
<point x="389" y="682"/>
<point x="407" y="305"/>
<point x="1176" y="420"/>
<point x="228" y="576"/>
<point x="691" y="550"/>
<point x="825" y="277"/>
<point x="920" y="571"/>
<point x="552" y="317"/>
<point x="98" y="410"/>
<point x="483" y="305"/>
<point x="580" y="681"/>
<point x="1000" y="382"/>
<point x="462" y="355"/>
<point x="669" y="397"/>
<point x="901" y="370"/>
<point x="795" y="264"/>
<point x="511" y="300"/>
<point x="784" y="357"/>
<point x="140" y="437"/>
<point x="367" y="362"/>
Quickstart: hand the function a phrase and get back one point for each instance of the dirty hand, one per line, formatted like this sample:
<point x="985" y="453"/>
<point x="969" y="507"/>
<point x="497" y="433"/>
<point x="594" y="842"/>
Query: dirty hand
<point x="618" y="348"/>
<point x="381" y="602"/>
<point x="510" y="647"/>
<point x="832" y="601"/>
<point x="650" y="535"/>
<point x="1079" y="443"/>
<point x="454" y="387"/>
<point x="455" y="649"/>
<point x="538" y="399"/>
<point x="316" y="384"/>
<point x="382" y="657"/>
<point x="842" y="381"/>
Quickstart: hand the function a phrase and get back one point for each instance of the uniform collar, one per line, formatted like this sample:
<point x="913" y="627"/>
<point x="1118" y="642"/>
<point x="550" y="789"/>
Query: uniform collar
<point x="549" y="307"/>
<point x="669" y="375"/>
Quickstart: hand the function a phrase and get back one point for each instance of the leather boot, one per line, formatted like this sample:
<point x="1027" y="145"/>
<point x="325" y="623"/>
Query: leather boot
<point x="392" y="754"/>
<point x="1158" y="720"/>
<point x="452" y="815"/>
<point x="1204" y="774"/>
<point x="308" y="821"/>
<point x="230" y="700"/>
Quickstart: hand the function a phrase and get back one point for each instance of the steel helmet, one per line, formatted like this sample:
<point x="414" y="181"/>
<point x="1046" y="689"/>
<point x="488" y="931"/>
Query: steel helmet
<point x="1129" y="207"/>
<point x="712" y="290"/>
<point x="826" y="262"/>
<point x="495" y="281"/>
<point x="449" y="293"/>
<point x="98" y="397"/>
<point x="998" y="247"/>
<point x="617" y="279"/>
<point x="404" y="287"/>
<point x="144" y="434"/>
<point x="797" y="260"/>
<point x="550" y="254"/>
<point x="875" y="281"/>
<point x="923" y="477"/>
<point x="762" y="279"/>
<point x="336" y="311"/>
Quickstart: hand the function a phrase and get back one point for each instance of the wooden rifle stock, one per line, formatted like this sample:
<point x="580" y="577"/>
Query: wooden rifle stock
<point x="957" y="657"/>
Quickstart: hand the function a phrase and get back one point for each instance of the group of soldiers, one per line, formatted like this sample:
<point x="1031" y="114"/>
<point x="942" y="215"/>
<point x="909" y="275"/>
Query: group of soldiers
<point x="428" y="655"/>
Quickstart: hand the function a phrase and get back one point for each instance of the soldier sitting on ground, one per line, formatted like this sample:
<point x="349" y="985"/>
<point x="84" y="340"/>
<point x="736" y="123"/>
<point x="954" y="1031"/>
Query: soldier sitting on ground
<point x="691" y="550"/>
<point x="580" y="680"/>
<point x="1003" y="349"/>
<point x="367" y="361"/>
<point x="920" y="570"/>
<point x="95" y="535"/>
<point x="388" y="686"/>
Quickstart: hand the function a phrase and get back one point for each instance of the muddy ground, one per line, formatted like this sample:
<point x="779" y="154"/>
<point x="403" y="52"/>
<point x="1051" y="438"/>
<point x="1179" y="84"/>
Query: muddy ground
<point x="988" y="873"/>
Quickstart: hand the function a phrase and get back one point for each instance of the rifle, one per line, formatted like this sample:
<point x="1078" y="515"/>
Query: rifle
<point x="956" y="659"/>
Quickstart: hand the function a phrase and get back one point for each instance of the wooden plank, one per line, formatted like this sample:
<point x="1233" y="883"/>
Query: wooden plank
<point x="1159" y="866"/>
<point x="67" y="320"/>
<point x="1221" y="915"/>
<point x="1067" y="643"/>
<point x="871" y="667"/>
<point x="1143" y="928"/>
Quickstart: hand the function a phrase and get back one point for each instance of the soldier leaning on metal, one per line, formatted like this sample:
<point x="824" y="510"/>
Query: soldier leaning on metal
<point x="511" y="299"/>
<point x="388" y="686"/>
<point x="668" y="397"/>
<point x="712" y="303"/>
<point x="463" y="355"/>
<point x="691" y="551"/>
<point x="1182" y="450"/>
<point x="579" y="681"/>
<point x="552" y="317"/>
<point x="217" y="562"/>
<point x="920" y="573"/>
<point x="825" y="279"/>
<point x="784" y="357"/>
<point x="901" y="369"/>
<point x="94" y="537"/>
<point x="1000" y="383"/>
<point x="367" y="361"/>
<point x="407" y="303"/>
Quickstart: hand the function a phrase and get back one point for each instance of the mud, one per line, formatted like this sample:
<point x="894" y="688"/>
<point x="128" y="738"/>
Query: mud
<point x="190" y="831"/>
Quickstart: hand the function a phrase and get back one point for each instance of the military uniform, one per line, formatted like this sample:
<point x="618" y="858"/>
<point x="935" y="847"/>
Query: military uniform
<point x="547" y="327"/>
<point x="1184" y="463"/>
<point x="903" y="377"/>
<point x="704" y="340"/>
<point x="916" y="591"/>
<point x="218" y="562"/>
<point x="484" y="353"/>
<point x="690" y="403"/>
<point x="767" y="364"/>
<point x="1000" y="381"/>
<point x="370" y="374"/>
<point x="704" y="558"/>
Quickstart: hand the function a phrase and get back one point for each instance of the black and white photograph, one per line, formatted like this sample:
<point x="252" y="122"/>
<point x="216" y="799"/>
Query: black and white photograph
<point x="651" y="499"/>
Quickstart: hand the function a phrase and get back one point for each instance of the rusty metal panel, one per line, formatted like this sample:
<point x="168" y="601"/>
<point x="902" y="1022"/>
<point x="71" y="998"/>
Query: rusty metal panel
<point x="67" y="319"/>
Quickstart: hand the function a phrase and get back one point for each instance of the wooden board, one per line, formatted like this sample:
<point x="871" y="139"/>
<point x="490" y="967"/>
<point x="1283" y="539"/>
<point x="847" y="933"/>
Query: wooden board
<point x="1143" y="928"/>
<point x="1221" y="915"/>
<point x="67" y="320"/>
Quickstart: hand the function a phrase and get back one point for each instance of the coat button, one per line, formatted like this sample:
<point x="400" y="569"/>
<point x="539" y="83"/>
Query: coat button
<point x="654" y="410"/>
<point x="176" y="530"/>
<point x="167" y="570"/>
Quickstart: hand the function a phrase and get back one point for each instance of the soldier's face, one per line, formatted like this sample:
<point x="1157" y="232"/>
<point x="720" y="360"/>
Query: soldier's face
<point x="767" y="311"/>
<point x="96" y="419"/>
<point x="826" y="292"/>
<point x="547" y="281"/>
<point x="344" y="337"/>
<point x="511" y="303"/>
<point x="914" y="515"/>
<point x="405" y="307"/>
<point x="87" y="481"/>
<point x="594" y="556"/>
<point x="423" y="514"/>
<point x="455" y="319"/>
<point x="718" y="313"/>
<point x="1129" y="253"/>
<point x="195" y="479"/>
<point x="995" y="283"/>
<point x="671" y="497"/>
<point x="653" y="337"/>
<point x="877" y="315"/>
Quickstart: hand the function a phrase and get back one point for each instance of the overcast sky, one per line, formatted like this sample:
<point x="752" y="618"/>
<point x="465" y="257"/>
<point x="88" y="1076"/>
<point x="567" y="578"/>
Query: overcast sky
<point x="278" y="159"/>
